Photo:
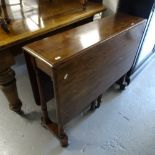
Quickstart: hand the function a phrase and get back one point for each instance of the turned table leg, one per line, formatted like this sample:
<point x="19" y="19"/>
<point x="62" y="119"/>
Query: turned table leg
<point x="83" y="3"/>
<point x="4" y="20"/>
<point x="8" y="81"/>
<point x="46" y="122"/>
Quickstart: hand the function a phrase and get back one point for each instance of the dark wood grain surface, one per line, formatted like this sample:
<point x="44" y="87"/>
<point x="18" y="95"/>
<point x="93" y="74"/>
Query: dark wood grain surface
<point x="82" y="78"/>
<point x="36" y="18"/>
<point x="85" y="61"/>
<point x="58" y="48"/>
<point x="82" y="64"/>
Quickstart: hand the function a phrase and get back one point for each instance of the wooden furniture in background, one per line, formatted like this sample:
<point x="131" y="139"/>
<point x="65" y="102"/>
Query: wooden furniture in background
<point x="4" y="16"/>
<point x="28" y="25"/>
<point x="82" y="63"/>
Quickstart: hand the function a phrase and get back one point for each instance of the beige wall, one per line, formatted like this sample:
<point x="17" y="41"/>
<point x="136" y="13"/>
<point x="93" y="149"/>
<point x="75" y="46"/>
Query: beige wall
<point x="111" y="6"/>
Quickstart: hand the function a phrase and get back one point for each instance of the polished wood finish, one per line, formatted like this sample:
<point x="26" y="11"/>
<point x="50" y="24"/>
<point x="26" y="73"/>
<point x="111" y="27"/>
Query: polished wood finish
<point x="83" y="63"/>
<point x="67" y="44"/>
<point x="31" y="21"/>
<point x="29" y="25"/>
<point x="3" y="7"/>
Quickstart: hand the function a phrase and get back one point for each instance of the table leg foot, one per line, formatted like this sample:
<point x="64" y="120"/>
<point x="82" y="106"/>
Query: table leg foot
<point x="127" y="79"/>
<point x="8" y="86"/>
<point x="123" y="82"/>
<point x="56" y="130"/>
<point x="96" y="103"/>
<point x="64" y="140"/>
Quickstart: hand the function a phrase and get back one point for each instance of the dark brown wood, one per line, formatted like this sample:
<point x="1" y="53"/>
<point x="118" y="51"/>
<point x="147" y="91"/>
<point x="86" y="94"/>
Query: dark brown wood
<point x="85" y="61"/>
<point x="66" y="44"/>
<point x="8" y="81"/>
<point x="46" y="122"/>
<point x="33" y="80"/>
<point x="84" y="3"/>
<point x="3" y="24"/>
<point x="92" y="72"/>
<point x="24" y="28"/>
<point x="4" y="19"/>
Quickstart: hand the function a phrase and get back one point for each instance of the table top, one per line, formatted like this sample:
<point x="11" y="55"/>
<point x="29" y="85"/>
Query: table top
<point x="34" y="18"/>
<point x="61" y="47"/>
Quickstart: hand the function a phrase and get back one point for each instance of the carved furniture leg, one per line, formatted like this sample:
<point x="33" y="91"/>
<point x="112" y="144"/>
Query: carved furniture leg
<point x="5" y="13"/>
<point x="8" y="81"/>
<point x="62" y="136"/>
<point x="4" y="25"/>
<point x="46" y="122"/>
<point x="84" y="3"/>
<point x="8" y="86"/>
<point x="4" y="18"/>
